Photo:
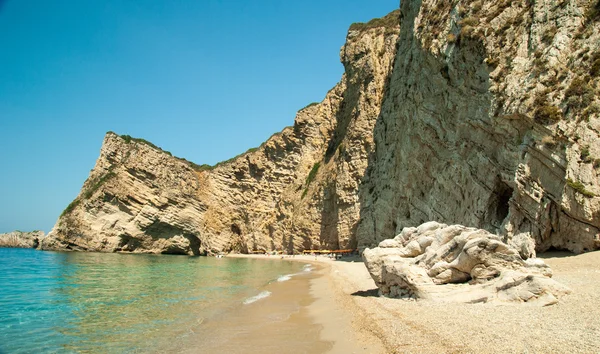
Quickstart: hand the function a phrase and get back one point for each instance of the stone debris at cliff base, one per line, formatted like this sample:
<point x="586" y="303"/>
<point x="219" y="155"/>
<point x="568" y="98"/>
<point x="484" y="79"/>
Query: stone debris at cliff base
<point x="455" y="263"/>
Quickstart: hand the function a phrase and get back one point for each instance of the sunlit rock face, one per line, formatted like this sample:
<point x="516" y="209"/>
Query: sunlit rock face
<point x="298" y="190"/>
<point x="479" y="113"/>
<point x="454" y="263"/>
<point x="491" y="120"/>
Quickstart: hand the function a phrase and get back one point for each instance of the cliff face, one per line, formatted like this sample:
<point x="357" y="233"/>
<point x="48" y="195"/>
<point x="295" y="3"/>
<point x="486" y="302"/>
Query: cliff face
<point x="298" y="190"/>
<point x="492" y="121"/>
<point x="481" y="113"/>
<point x="19" y="239"/>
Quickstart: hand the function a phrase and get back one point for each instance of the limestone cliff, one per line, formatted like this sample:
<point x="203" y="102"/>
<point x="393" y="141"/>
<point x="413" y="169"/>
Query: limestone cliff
<point x="298" y="190"/>
<point x="480" y="113"/>
<point x="491" y="120"/>
<point x="20" y="239"/>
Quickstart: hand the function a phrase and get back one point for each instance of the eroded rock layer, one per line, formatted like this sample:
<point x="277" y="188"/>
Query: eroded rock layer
<point x="480" y="113"/>
<point x="298" y="190"/>
<point x="492" y="121"/>
<point x="459" y="264"/>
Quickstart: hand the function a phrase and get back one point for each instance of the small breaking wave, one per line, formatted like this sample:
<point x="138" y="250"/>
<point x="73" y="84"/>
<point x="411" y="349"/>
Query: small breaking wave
<point x="284" y="278"/>
<point x="307" y="268"/>
<point x="252" y="299"/>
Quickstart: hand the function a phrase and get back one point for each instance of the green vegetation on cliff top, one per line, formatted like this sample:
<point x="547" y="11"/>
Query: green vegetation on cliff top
<point x="390" y="20"/>
<point x="204" y="167"/>
<point x="199" y="168"/>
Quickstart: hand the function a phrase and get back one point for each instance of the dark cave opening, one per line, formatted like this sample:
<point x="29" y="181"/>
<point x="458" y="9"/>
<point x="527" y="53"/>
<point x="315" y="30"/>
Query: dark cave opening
<point x="498" y="206"/>
<point x="556" y="252"/>
<point x="504" y="194"/>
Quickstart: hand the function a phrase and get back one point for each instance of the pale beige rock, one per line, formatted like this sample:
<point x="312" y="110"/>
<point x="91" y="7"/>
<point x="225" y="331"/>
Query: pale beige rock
<point x="19" y="239"/>
<point x="140" y="199"/>
<point x="447" y="119"/>
<point x="460" y="264"/>
<point x="461" y="137"/>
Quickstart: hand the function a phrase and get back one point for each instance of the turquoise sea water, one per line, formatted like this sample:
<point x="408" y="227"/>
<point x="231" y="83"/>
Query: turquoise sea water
<point x="119" y="303"/>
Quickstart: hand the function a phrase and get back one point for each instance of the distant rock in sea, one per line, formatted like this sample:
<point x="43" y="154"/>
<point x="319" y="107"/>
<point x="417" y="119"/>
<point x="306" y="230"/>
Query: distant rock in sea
<point x="20" y="239"/>
<point x="459" y="264"/>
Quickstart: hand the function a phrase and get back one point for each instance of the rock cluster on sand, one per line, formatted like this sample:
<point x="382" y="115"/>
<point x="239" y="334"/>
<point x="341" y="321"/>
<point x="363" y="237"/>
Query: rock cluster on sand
<point x="459" y="264"/>
<point x="19" y="239"/>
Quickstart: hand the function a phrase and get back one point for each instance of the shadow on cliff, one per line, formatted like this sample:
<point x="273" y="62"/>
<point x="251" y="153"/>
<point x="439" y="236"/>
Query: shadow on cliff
<point x="421" y="132"/>
<point x="330" y="217"/>
<point x="358" y="83"/>
<point x="162" y="230"/>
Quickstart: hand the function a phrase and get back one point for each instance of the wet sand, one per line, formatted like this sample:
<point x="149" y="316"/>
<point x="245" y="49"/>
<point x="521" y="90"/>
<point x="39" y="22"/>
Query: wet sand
<point x="356" y="320"/>
<point x="276" y="320"/>
<point x="333" y="310"/>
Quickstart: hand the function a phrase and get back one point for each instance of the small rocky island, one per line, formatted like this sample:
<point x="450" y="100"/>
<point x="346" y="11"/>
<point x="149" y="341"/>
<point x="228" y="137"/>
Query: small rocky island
<point x="20" y="239"/>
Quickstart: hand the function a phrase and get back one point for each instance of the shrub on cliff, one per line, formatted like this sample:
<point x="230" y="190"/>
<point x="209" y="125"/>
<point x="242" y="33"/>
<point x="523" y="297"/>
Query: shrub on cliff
<point x="311" y="176"/>
<point x="70" y="207"/>
<point x="388" y="21"/>
<point x="580" y="188"/>
<point x="128" y="139"/>
<point x="579" y="94"/>
<point x="593" y="12"/>
<point x="595" y="69"/>
<point x="313" y="173"/>
<point x="547" y="114"/>
<point x="97" y="184"/>
<point x="584" y="155"/>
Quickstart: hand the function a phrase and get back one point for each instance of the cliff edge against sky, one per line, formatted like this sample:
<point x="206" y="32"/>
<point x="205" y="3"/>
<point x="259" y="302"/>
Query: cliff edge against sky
<point x="298" y="190"/>
<point x="479" y="113"/>
<point x="491" y="121"/>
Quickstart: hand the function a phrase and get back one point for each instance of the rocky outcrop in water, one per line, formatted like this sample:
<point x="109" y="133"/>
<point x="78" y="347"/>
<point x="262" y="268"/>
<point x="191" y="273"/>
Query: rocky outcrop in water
<point x="20" y="239"/>
<point x="459" y="264"/>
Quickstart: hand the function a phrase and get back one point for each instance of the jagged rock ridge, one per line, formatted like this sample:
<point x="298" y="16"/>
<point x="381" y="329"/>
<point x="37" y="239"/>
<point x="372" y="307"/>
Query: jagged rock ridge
<point x="479" y="113"/>
<point x="491" y="121"/>
<point x="298" y="190"/>
<point x="20" y="239"/>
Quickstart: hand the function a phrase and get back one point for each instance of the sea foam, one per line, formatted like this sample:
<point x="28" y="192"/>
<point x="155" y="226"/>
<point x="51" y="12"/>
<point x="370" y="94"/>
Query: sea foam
<point x="252" y="299"/>
<point x="284" y="277"/>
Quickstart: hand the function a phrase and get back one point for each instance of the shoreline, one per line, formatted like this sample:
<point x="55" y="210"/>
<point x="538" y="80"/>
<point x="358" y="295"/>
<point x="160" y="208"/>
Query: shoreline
<point x="357" y="320"/>
<point x="343" y="322"/>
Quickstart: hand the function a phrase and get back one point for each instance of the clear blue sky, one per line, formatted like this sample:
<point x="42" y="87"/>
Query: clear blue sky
<point x="203" y="79"/>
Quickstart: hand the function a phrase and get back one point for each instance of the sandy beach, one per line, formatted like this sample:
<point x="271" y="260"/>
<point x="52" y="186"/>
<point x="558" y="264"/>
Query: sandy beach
<point x="357" y="320"/>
